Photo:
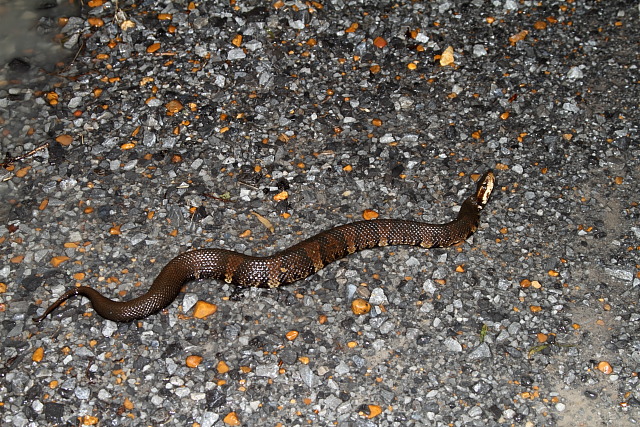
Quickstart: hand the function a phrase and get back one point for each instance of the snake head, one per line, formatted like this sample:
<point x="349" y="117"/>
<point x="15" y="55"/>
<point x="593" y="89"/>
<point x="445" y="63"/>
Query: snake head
<point x="485" y="187"/>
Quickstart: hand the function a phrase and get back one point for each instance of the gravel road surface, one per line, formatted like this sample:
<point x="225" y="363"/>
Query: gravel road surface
<point x="166" y="126"/>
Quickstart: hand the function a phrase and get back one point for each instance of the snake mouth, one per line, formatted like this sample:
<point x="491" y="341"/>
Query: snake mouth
<point x="485" y="187"/>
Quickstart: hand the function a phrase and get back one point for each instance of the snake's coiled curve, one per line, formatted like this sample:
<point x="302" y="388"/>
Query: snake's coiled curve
<point x="289" y="265"/>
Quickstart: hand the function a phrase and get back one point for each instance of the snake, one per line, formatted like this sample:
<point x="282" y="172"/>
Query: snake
<point x="289" y="265"/>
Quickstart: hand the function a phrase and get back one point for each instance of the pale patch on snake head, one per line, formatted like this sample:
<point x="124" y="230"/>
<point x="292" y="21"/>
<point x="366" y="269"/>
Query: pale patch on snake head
<point x="485" y="187"/>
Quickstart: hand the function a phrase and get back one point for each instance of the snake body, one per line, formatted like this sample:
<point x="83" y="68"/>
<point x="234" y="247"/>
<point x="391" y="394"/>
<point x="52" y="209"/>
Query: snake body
<point x="287" y="266"/>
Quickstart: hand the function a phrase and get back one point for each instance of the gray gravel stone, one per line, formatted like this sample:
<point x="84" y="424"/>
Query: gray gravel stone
<point x="109" y="328"/>
<point x="82" y="393"/>
<point x="270" y="370"/>
<point x="378" y="297"/>
<point x="452" y="345"/>
<point x="480" y="352"/>
<point x="188" y="301"/>
<point x="209" y="419"/>
<point x="342" y="368"/>
<point x="308" y="377"/>
<point x="619" y="273"/>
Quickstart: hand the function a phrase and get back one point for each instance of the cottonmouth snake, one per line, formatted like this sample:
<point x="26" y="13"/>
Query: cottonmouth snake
<point x="289" y="265"/>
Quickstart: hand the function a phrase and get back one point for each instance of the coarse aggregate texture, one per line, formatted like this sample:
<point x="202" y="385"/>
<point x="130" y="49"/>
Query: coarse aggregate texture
<point x="173" y="125"/>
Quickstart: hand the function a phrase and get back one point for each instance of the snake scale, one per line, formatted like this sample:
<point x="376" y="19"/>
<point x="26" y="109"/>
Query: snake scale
<point x="289" y="265"/>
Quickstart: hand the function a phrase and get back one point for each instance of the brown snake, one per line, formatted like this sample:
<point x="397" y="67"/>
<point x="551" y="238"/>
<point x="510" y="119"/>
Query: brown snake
<point x="287" y="266"/>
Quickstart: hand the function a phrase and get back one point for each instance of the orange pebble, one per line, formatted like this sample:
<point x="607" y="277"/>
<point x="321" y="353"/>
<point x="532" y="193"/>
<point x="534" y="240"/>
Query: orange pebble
<point x="374" y="411"/>
<point x="379" y="42"/>
<point x="370" y="214"/>
<point x="57" y="260"/>
<point x="128" y="404"/>
<point x="193" y="361"/>
<point x="204" y="309"/>
<point x="231" y="419"/>
<point x="605" y="367"/>
<point x="38" y="354"/>
<point x="360" y="306"/>
<point x="222" y="367"/>
<point x="174" y="106"/>
<point x="89" y="420"/>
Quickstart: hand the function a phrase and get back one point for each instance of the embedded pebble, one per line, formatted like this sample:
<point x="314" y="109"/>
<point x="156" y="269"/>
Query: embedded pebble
<point x="480" y="352"/>
<point x="109" y="328"/>
<point x="209" y="419"/>
<point x="378" y="297"/>
<point x="342" y="368"/>
<point x="188" y="301"/>
<point x="82" y="393"/>
<point x="308" y="377"/>
<point x="452" y="345"/>
<point x="270" y="371"/>
<point x="619" y="273"/>
<point x="575" y="73"/>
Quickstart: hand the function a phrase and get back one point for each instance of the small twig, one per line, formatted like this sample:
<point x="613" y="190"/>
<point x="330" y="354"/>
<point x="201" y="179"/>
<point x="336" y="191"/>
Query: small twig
<point x="222" y="199"/>
<point x="248" y="185"/>
<point x="87" y="371"/>
<point x="80" y="49"/>
<point x="11" y="160"/>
